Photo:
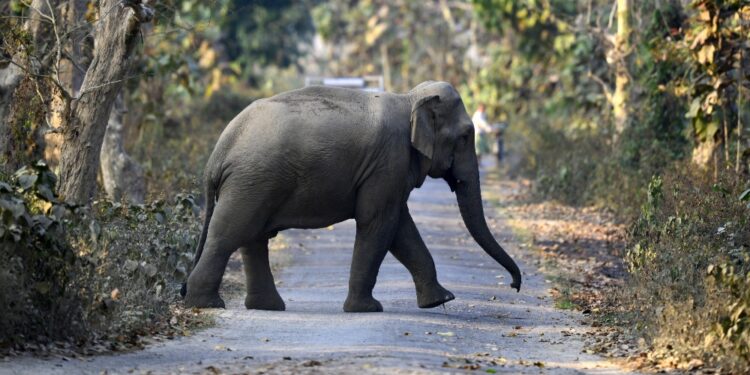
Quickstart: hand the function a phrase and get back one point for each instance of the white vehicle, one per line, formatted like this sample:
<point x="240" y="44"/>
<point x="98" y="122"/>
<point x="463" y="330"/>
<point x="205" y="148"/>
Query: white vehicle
<point x="366" y="83"/>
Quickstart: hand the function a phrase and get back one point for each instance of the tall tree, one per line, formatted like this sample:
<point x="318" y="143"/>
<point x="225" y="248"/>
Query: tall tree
<point x="620" y="98"/>
<point x="122" y="176"/>
<point x="116" y="37"/>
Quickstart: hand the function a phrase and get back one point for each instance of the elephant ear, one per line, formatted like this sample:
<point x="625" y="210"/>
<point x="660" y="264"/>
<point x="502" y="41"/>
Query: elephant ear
<point x="423" y="125"/>
<point x="423" y="132"/>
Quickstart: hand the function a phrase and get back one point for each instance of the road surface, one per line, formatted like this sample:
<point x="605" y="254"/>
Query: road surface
<point x="488" y="327"/>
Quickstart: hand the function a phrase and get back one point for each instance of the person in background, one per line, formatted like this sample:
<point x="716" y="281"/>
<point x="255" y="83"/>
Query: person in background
<point x="482" y="131"/>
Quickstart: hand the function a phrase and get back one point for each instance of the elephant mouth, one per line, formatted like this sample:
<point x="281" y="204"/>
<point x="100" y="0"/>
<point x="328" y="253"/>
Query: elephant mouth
<point x="451" y="180"/>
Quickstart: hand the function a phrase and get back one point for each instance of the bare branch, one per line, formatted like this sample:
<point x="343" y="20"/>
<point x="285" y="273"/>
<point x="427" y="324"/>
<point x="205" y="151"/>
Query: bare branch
<point x="59" y="45"/>
<point x="75" y="63"/>
<point x="605" y="87"/>
<point x="40" y="13"/>
<point x="92" y="88"/>
<point x="612" y="16"/>
<point x="52" y="79"/>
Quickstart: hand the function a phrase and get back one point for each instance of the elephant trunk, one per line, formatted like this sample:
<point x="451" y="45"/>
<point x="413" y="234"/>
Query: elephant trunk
<point x="469" y="199"/>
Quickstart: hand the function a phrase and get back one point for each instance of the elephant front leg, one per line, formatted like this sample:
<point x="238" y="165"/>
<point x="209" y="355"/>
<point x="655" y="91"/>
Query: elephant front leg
<point x="261" y="289"/>
<point x="370" y="247"/>
<point x="409" y="248"/>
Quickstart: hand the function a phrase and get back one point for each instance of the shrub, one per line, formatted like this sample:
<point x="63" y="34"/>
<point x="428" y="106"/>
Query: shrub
<point x="689" y="265"/>
<point x="81" y="274"/>
<point x="38" y="262"/>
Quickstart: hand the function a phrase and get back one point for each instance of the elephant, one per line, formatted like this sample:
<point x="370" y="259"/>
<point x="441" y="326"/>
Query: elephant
<point x="316" y="156"/>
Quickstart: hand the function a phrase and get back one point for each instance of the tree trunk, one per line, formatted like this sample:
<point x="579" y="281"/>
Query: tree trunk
<point x="738" y="157"/>
<point x="622" y="80"/>
<point x="10" y="77"/>
<point x="117" y="35"/>
<point x="19" y="124"/>
<point x="705" y="152"/>
<point x="386" y="63"/>
<point x="121" y="175"/>
<point x="70" y="20"/>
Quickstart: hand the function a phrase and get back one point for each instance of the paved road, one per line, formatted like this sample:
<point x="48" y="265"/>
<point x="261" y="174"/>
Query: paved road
<point x="488" y="326"/>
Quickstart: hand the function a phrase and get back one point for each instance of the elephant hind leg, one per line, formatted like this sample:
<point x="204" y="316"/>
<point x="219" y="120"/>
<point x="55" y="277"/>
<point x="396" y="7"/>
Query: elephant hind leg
<point x="232" y="226"/>
<point x="261" y="289"/>
<point x="204" y="282"/>
<point x="409" y="248"/>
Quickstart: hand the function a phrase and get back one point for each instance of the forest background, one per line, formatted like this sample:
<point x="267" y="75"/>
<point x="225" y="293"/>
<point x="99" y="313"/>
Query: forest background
<point x="109" y="108"/>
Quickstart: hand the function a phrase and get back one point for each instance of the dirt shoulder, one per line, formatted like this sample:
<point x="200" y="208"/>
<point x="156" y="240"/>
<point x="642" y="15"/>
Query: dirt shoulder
<point x="580" y="250"/>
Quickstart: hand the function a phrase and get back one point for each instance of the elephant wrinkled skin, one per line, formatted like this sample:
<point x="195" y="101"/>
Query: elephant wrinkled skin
<point x="317" y="156"/>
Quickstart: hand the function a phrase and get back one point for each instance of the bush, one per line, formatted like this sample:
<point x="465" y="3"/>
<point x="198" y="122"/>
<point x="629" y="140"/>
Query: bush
<point x="566" y="169"/>
<point x="39" y="265"/>
<point x="581" y="169"/>
<point x="689" y="266"/>
<point x="81" y="274"/>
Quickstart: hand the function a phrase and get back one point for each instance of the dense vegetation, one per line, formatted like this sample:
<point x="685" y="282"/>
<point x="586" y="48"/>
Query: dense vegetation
<point x="637" y="107"/>
<point x="108" y="272"/>
<point x="677" y="170"/>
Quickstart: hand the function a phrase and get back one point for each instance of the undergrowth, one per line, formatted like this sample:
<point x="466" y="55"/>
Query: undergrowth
<point x="689" y="264"/>
<point x="81" y="275"/>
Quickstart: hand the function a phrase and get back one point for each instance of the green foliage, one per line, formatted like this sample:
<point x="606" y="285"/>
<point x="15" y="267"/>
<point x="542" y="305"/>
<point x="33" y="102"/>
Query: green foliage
<point x="712" y="45"/>
<point x="539" y="24"/>
<point x="559" y="120"/>
<point x="657" y="135"/>
<point x="109" y="272"/>
<point x="137" y="257"/>
<point x="34" y="280"/>
<point x="202" y="46"/>
<point x="197" y="64"/>
<point x="686" y="79"/>
<point x="265" y="32"/>
<point x="21" y="127"/>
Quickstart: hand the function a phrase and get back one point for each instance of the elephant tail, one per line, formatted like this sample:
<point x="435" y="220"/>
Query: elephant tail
<point x="211" y="189"/>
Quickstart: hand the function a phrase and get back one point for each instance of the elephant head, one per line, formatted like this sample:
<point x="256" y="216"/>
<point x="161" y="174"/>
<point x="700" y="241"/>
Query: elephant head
<point x="443" y="134"/>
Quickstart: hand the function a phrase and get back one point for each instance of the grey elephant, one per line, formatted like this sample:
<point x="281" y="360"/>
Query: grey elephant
<point x="316" y="156"/>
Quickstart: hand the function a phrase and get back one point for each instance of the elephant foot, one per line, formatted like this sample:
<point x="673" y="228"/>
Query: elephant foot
<point x="264" y="301"/>
<point x="362" y="305"/>
<point x="204" y="301"/>
<point x="433" y="296"/>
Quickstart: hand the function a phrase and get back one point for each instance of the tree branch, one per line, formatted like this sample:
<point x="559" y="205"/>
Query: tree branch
<point x="607" y="90"/>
